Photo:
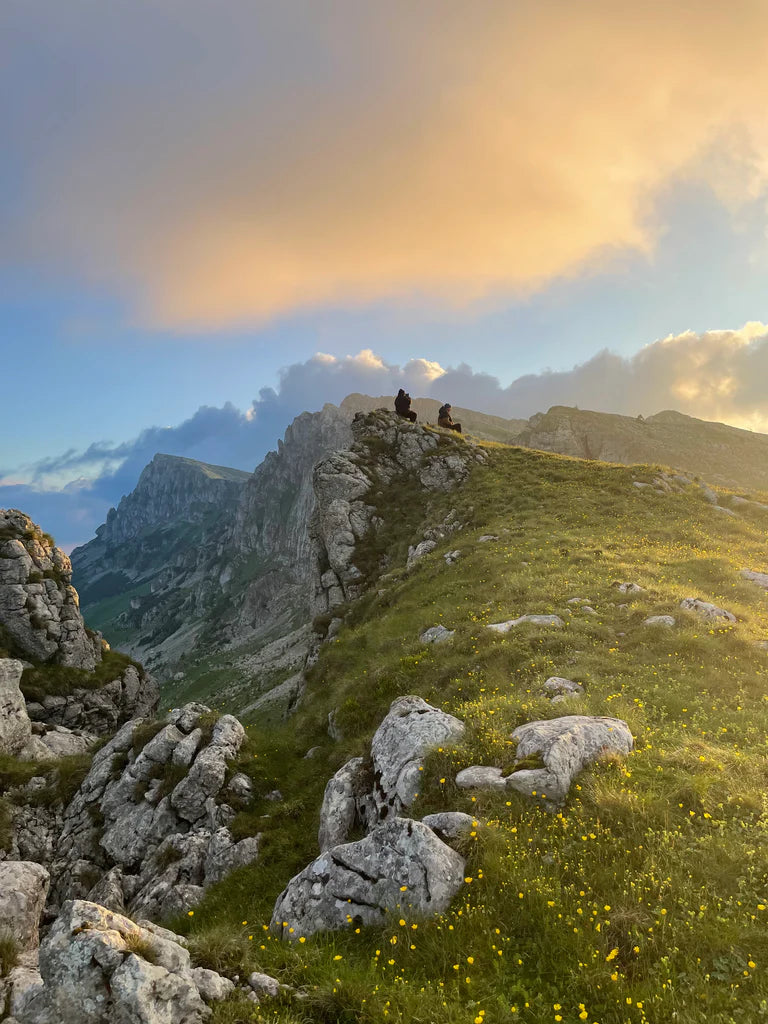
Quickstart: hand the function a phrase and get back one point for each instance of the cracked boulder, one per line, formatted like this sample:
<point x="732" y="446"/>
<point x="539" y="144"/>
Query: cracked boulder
<point x="346" y="802"/>
<point x="98" y="967"/>
<point x="564" y="746"/>
<point x="410" y="730"/>
<point x="401" y="866"/>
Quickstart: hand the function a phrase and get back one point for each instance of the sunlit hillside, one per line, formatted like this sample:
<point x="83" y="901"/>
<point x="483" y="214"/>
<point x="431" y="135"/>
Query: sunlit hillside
<point x="644" y="898"/>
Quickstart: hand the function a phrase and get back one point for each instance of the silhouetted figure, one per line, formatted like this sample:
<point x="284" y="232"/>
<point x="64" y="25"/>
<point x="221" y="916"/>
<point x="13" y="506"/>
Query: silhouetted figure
<point x="444" y="418"/>
<point x="403" y="406"/>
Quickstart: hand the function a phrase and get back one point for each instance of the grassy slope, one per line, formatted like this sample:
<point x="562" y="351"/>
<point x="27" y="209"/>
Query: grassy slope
<point x="645" y="899"/>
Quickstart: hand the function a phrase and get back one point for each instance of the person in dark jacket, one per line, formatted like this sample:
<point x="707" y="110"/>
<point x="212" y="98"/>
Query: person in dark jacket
<point x="403" y="406"/>
<point x="444" y="418"/>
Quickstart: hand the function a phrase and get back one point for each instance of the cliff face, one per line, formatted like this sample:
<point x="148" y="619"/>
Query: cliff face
<point x="39" y="610"/>
<point x="205" y="558"/>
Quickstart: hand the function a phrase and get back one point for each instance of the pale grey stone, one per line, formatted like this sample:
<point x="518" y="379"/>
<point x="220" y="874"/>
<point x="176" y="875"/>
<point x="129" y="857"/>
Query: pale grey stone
<point x="15" y="726"/>
<point x="400" y="866"/>
<point x="264" y="985"/>
<point x="436" y="635"/>
<point x="659" y="620"/>
<point x="707" y="611"/>
<point x="760" y="578"/>
<point x="534" y="620"/>
<point x="23" y="888"/>
<point x="410" y="730"/>
<point x="344" y="801"/>
<point x="558" y="688"/>
<point x="450" y="825"/>
<point x="566" y="746"/>
<point x="418" y="551"/>
<point x="481" y="777"/>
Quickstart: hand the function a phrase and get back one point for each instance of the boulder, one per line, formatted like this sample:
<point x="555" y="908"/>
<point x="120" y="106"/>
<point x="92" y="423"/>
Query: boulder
<point x="705" y="610"/>
<point x="559" y="689"/>
<point x="23" y="888"/>
<point x="565" y="746"/>
<point x="98" y="967"/>
<point x="345" y="802"/>
<point x="760" y="578"/>
<point x="436" y="635"/>
<point x="659" y="620"/>
<point x="480" y="776"/>
<point x="450" y="825"/>
<point x="534" y="620"/>
<point x="400" y="866"/>
<point x="629" y="588"/>
<point x="411" y="728"/>
<point x="417" y="551"/>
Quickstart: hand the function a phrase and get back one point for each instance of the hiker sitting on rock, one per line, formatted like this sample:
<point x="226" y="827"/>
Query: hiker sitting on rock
<point x="444" y="418"/>
<point x="403" y="406"/>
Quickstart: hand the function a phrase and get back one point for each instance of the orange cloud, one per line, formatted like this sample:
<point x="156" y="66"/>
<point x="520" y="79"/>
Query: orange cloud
<point x="346" y="153"/>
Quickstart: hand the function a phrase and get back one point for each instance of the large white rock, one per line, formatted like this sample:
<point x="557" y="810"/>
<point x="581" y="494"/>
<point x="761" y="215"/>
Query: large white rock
<point x="100" y="968"/>
<point x="23" y="888"/>
<point x="400" y="866"/>
<point x="411" y="729"/>
<point x="565" y="746"/>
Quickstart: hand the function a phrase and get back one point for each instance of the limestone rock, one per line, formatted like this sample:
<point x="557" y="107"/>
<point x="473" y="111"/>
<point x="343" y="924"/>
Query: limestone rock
<point x="99" y="967"/>
<point x="450" y="825"/>
<point x="23" y="888"/>
<point x="155" y="845"/>
<point x="629" y="588"/>
<point x="660" y="620"/>
<point x="760" y="578"/>
<point x="534" y="620"/>
<point x="411" y="728"/>
<point x="565" y="746"/>
<point x="345" y="801"/>
<point x="436" y="635"/>
<point x="363" y="881"/>
<point x="211" y="986"/>
<point x="707" y="611"/>
<point x="480" y="776"/>
<point x="416" y="552"/>
<point x="39" y="607"/>
<point x="558" y="689"/>
<point x="264" y="984"/>
<point x="15" y="726"/>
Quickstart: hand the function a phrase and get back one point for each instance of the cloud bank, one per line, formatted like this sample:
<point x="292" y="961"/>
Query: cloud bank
<point x="716" y="375"/>
<point x="284" y="154"/>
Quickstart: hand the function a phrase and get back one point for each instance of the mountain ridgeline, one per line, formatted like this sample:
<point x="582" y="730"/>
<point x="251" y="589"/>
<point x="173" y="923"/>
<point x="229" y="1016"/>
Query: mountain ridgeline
<point x="205" y="573"/>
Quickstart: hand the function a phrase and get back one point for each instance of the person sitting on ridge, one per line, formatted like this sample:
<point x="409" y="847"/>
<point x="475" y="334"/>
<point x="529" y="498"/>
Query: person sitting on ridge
<point x="403" y="406"/>
<point x="444" y="418"/>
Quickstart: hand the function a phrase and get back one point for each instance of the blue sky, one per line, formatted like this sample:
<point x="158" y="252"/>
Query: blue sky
<point x="194" y="203"/>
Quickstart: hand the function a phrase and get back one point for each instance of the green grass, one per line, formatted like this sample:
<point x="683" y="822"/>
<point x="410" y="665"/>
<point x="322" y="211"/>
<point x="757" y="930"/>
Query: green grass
<point x="9" y="953"/>
<point x="645" y="899"/>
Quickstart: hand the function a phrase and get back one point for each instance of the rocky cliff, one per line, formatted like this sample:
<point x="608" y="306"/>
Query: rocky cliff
<point x="212" y="560"/>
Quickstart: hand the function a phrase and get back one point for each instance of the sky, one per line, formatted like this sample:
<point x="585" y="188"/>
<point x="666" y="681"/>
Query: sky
<point x="215" y="216"/>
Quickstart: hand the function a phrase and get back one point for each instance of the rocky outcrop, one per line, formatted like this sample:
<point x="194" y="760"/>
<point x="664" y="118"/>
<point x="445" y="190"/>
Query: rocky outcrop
<point x="400" y="866"/>
<point x="534" y="620"/>
<point x="98" y="967"/>
<point x="385" y="449"/>
<point x="19" y="737"/>
<point x="148" y="826"/>
<point x="366" y="791"/>
<point x="133" y="693"/>
<point x="39" y="608"/>
<point x="565" y="746"/>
